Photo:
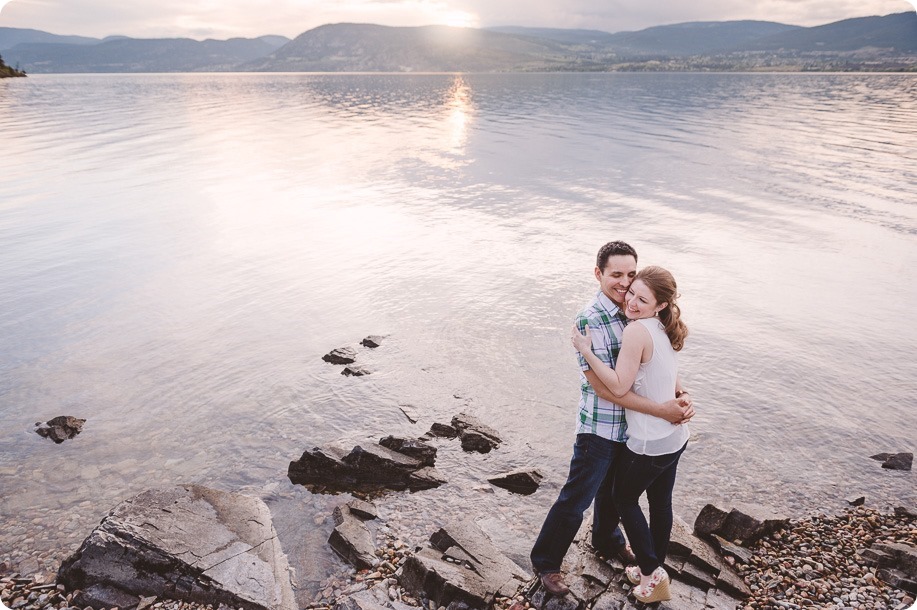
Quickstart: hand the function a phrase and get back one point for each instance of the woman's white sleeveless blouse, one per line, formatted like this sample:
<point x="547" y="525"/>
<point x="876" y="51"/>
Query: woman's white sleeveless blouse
<point x="649" y="435"/>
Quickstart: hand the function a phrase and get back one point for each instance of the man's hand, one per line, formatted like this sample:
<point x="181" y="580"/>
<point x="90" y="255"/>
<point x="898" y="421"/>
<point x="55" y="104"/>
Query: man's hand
<point x="677" y="410"/>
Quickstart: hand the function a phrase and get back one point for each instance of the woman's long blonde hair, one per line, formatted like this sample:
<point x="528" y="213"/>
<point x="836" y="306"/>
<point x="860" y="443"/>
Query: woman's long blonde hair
<point x="662" y="285"/>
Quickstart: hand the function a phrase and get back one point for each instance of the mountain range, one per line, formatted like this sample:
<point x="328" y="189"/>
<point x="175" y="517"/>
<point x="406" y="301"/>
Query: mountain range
<point x="872" y="43"/>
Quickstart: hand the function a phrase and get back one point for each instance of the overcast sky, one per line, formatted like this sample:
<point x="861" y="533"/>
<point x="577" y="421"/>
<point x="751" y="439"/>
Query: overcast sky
<point x="228" y="18"/>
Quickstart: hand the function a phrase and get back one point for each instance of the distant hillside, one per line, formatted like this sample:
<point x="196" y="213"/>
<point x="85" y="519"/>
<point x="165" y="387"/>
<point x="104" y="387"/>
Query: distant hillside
<point x="572" y="37"/>
<point x="10" y="37"/>
<point x="695" y="38"/>
<point x="351" y="47"/>
<point x="866" y="43"/>
<point x="897" y="32"/>
<point x="118" y="54"/>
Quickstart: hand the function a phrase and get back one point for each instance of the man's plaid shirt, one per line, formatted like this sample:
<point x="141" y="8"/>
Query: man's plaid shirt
<point x="606" y="324"/>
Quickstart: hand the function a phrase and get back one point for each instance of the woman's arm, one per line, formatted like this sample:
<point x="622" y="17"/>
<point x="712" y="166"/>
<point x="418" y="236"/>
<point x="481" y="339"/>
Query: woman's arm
<point x="619" y="379"/>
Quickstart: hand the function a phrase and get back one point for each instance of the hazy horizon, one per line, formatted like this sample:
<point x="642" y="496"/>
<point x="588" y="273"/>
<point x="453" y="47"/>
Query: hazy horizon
<point x="290" y="18"/>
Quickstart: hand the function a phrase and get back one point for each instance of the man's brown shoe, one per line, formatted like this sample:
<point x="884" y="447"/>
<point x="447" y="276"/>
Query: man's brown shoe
<point x="625" y="556"/>
<point x="554" y="583"/>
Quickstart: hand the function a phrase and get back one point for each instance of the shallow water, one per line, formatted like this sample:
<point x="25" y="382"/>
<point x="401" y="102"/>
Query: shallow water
<point x="178" y="251"/>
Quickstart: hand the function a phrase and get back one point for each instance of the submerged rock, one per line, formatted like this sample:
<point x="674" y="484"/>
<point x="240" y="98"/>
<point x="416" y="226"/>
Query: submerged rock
<point x="60" y="428"/>
<point x="355" y="370"/>
<point x="191" y="544"/>
<point x="412" y="447"/>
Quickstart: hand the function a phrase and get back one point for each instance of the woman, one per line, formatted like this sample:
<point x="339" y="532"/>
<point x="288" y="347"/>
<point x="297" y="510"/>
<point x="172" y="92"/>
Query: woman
<point x="648" y="363"/>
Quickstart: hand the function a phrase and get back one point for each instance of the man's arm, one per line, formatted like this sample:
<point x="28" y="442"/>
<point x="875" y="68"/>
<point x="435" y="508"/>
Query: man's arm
<point x="676" y="411"/>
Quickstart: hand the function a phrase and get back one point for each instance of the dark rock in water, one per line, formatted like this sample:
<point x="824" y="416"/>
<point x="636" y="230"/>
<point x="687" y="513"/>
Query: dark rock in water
<point x="351" y="539"/>
<point x="474" y="435"/>
<point x="522" y="481"/>
<point x="746" y="525"/>
<point x="364" y="468"/>
<point x="60" y="428"/>
<point x="355" y="370"/>
<point x="485" y="573"/>
<point x="372" y="341"/>
<point x="341" y="355"/>
<point x="443" y="431"/>
<point x="899" y="461"/>
<point x="413" y="447"/>
<point x="856" y="500"/>
<point x="191" y="544"/>
<point x="906" y="511"/>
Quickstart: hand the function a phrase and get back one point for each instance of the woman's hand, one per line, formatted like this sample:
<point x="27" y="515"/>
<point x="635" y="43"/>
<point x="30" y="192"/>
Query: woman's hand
<point x="582" y="343"/>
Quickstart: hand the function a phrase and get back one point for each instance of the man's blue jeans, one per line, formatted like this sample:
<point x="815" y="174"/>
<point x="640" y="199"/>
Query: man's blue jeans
<point x="591" y="477"/>
<point x="655" y="475"/>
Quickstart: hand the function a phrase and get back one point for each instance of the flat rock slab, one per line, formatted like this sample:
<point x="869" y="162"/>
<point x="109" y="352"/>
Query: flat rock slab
<point x="366" y="468"/>
<point x="188" y="543"/>
<point x="481" y="573"/>
<point x="372" y="341"/>
<point x="60" y="428"/>
<point x="351" y="539"/>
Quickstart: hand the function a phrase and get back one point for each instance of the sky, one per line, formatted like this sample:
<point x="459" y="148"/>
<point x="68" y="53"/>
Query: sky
<point x="223" y="19"/>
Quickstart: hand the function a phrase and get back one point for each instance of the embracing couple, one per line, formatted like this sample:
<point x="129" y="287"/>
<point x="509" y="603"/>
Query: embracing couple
<point x="631" y="428"/>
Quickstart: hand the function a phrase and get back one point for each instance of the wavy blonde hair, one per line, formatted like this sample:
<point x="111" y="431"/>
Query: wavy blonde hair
<point x="662" y="285"/>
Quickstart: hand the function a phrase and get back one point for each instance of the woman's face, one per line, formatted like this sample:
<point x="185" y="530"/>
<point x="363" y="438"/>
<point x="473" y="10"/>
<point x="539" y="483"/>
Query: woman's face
<point x="640" y="302"/>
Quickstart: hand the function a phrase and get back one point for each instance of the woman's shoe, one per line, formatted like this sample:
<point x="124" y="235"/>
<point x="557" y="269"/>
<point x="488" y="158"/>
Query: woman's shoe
<point x="633" y="574"/>
<point x="656" y="590"/>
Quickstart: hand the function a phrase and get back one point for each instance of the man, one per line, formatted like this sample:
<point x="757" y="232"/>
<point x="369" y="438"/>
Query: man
<point x="601" y="430"/>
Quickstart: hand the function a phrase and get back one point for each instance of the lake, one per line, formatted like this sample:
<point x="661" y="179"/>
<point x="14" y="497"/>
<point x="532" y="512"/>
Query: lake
<point x="178" y="251"/>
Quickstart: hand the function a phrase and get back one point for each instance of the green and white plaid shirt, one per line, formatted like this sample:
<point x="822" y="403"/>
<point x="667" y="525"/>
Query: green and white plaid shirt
<point x="606" y="324"/>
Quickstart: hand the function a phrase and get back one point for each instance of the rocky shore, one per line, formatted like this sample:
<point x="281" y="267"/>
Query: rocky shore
<point x="194" y="548"/>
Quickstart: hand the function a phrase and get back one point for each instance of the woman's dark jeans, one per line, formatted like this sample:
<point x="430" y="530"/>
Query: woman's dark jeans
<point x="591" y="477"/>
<point x="654" y="474"/>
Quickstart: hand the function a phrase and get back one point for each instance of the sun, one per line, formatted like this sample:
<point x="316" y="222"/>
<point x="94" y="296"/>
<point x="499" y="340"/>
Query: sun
<point x="459" y="19"/>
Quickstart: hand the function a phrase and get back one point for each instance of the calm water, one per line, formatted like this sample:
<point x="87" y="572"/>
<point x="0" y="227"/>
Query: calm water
<point x="177" y="252"/>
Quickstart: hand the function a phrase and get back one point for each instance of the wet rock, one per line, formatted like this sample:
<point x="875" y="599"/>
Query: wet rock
<point x="443" y="431"/>
<point x="412" y="447"/>
<point x="372" y="341"/>
<point x="856" y="500"/>
<point x="365" y="511"/>
<point x="61" y="428"/>
<point x="474" y="435"/>
<point x="898" y="461"/>
<point x="355" y="370"/>
<point x="521" y="481"/>
<point x="188" y="543"/>
<point x="364" y="468"/>
<point x="361" y="600"/>
<point x="745" y="524"/>
<point x="105" y="596"/>
<point x="341" y="355"/>
<point x="485" y="574"/>
<point x="351" y="539"/>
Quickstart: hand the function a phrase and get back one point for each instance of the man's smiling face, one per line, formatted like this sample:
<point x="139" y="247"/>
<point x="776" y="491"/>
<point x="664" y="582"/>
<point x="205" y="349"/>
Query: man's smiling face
<point x="616" y="277"/>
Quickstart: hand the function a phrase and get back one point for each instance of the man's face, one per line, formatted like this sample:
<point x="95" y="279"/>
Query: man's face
<point x="619" y="272"/>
